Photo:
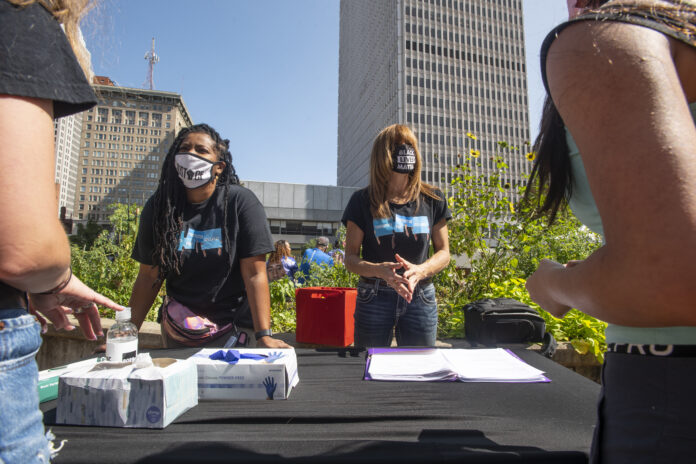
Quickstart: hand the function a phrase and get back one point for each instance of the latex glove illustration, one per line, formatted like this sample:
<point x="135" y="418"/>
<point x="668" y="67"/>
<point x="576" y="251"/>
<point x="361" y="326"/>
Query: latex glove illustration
<point x="273" y="356"/>
<point x="270" y="385"/>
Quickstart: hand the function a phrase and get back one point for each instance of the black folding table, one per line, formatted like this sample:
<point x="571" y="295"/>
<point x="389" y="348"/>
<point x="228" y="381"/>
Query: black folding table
<point x="333" y="415"/>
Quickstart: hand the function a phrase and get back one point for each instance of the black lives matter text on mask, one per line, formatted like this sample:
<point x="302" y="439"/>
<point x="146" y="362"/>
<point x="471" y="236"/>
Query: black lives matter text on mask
<point x="403" y="159"/>
<point x="405" y="162"/>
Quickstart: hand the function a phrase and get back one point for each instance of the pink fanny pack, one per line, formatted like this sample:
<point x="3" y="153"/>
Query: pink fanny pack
<point x="185" y="327"/>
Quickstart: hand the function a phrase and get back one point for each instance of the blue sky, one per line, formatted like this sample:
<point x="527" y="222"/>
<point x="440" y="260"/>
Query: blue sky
<point x="264" y="73"/>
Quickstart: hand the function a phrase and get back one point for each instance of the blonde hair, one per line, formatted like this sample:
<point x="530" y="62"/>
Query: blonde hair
<point x="280" y="251"/>
<point x="69" y="13"/>
<point x="381" y="170"/>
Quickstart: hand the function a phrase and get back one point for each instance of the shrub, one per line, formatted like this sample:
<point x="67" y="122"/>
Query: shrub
<point x="283" y="305"/>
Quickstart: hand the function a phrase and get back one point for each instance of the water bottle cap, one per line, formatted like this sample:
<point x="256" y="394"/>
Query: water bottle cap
<point x="124" y="315"/>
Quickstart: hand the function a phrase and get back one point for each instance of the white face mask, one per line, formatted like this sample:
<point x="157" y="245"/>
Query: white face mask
<point x="194" y="171"/>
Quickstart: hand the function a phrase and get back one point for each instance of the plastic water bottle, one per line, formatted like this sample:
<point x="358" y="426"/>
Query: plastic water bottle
<point x="122" y="339"/>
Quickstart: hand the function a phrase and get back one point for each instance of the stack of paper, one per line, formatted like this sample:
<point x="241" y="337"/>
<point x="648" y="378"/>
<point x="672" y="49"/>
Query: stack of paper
<point x="465" y="365"/>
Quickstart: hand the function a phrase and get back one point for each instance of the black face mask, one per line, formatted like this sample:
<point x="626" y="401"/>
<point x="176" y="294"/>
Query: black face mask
<point x="403" y="159"/>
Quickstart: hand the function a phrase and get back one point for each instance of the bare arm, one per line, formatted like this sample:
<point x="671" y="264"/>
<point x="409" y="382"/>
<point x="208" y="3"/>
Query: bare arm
<point x="256" y="284"/>
<point x="145" y="290"/>
<point x="619" y="92"/>
<point x="34" y="251"/>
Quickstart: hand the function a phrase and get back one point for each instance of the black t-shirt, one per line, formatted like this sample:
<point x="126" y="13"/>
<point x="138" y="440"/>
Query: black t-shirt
<point x="205" y="260"/>
<point x="407" y="232"/>
<point x="36" y="61"/>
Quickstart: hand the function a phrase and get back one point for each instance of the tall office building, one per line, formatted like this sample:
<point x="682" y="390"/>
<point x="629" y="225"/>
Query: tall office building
<point x="443" y="67"/>
<point x="67" y="132"/>
<point x="124" y="141"/>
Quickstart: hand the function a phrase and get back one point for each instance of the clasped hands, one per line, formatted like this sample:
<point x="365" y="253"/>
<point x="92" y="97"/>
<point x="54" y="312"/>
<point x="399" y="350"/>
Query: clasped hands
<point x="404" y="284"/>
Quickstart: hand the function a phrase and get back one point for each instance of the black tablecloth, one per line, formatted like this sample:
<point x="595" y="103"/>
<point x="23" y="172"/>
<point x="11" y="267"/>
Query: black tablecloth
<point x="335" y="416"/>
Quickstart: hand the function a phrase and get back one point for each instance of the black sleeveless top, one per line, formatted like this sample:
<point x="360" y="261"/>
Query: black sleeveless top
<point x="674" y="18"/>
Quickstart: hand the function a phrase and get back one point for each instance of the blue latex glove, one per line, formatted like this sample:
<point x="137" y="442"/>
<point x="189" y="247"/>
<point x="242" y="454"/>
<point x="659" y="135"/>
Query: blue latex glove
<point x="273" y="356"/>
<point x="270" y="385"/>
<point x="233" y="356"/>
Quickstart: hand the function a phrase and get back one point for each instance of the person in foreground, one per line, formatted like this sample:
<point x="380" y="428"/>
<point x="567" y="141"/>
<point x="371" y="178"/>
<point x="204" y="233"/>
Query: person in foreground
<point x="394" y="220"/>
<point x="41" y="80"/>
<point x="623" y="79"/>
<point x="207" y="236"/>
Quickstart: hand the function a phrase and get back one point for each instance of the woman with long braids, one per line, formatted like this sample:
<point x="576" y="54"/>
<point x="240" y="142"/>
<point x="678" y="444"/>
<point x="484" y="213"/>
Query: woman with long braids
<point x="395" y="220"/>
<point x="618" y="144"/>
<point x="207" y="237"/>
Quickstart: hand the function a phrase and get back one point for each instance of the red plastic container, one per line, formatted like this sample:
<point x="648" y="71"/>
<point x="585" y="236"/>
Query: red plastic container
<point x="325" y="315"/>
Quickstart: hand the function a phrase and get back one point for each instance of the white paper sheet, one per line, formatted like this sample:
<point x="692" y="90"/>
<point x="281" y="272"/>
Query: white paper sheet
<point x="466" y="365"/>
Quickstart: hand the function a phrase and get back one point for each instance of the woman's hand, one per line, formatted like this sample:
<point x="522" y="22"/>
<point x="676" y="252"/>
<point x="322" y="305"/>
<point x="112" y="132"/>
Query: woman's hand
<point x="387" y="272"/>
<point x="539" y="286"/>
<point x="413" y="274"/>
<point x="77" y="299"/>
<point x="270" y="342"/>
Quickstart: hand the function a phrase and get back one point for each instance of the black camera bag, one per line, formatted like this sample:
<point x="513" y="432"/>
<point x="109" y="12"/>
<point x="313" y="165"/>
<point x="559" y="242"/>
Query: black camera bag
<point x="502" y="320"/>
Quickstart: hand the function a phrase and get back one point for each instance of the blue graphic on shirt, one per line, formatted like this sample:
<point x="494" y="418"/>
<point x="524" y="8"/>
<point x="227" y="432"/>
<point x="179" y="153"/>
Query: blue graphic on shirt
<point x="200" y="239"/>
<point x="401" y="224"/>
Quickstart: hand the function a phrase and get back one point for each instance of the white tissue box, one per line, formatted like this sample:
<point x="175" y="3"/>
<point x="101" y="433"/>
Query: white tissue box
<point x="128" y="395"/>
<point x="270" y="378"/>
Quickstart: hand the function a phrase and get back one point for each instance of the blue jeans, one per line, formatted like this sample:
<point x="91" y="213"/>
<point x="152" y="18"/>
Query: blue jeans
<point x="380" y="313"/>
<point x="22" y="438"/>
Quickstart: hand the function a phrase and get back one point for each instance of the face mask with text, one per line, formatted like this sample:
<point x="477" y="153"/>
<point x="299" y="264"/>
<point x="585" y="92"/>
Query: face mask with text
<point x="194" y="171"/>
<point x="403" y="159"/>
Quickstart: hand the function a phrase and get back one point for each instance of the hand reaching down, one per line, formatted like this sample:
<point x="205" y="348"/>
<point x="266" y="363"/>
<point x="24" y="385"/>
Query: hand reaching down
<point x="75" y="298"/>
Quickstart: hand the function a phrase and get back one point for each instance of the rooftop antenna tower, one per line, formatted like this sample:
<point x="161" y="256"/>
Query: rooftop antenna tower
<point x="152" y="58"/>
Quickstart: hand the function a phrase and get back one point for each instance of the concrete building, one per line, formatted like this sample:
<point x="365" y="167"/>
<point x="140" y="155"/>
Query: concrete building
<point x="124" y="141"/>
<point x="443" y="67"/>
<point x="298" y="213"/>
<point x="67" y="132"/>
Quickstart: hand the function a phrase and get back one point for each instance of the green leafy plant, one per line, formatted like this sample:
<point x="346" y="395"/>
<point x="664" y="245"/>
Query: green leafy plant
<point x="283" y="305"/>
<point x="86" y="234"/>
<point x="330" y="276"/>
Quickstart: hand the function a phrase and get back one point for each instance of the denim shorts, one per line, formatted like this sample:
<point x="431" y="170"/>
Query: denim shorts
<point x="22" y="438"/>
<point x="380" y="313"/>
